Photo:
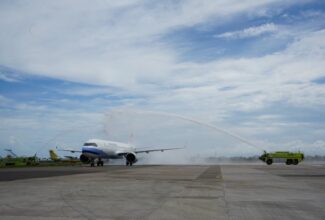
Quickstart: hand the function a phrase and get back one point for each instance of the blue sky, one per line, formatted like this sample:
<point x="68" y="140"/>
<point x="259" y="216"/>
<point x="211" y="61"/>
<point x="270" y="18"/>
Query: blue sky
<point x="255" y="68"/>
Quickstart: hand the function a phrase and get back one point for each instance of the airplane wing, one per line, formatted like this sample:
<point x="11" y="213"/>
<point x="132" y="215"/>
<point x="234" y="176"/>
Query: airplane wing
<point x="124" y="153"/>
<point x="153" y="150"/>
<point x="71" y="158"/>
<point x="69" y="150"/>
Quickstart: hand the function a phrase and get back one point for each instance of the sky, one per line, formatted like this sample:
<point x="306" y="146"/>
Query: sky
<point x="74" y="70"/>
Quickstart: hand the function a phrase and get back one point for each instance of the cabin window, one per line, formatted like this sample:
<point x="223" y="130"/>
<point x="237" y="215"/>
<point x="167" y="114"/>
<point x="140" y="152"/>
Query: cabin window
<point x="90" y="144"/>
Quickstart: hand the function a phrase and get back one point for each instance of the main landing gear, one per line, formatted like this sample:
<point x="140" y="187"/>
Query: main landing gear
<point x="99" y="163"/>
<point x="128" y="163"/>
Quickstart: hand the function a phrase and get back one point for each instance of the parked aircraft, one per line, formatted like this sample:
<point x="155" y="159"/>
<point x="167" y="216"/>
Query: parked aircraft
<point x="13" y="160"/>
<point x="96" y="149"/>
<point x="67" y="159"/>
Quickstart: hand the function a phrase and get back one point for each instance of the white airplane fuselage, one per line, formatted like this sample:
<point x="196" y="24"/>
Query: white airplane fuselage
<point x="103" y="149"/>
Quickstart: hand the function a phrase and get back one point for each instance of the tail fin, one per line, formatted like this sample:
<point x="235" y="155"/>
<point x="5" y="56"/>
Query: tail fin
<point x="53" y="155"/>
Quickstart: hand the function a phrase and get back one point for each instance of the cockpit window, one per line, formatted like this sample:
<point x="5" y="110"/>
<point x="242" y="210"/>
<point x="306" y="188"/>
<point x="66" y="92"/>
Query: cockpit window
<point x="90" y="144"/>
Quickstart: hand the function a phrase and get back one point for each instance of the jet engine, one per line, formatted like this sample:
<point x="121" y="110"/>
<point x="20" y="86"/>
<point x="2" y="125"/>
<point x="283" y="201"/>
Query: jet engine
<point x="130" y="159"/>
<point x="84" y="159"/>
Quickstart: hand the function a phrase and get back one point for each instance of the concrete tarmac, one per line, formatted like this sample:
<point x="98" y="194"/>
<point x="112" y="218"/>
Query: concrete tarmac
<point x="164" y="192"/>
<point x="39" y="172"/>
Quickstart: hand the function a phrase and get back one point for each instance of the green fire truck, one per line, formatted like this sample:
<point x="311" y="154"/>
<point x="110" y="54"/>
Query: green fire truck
<point x="289" y="157"/>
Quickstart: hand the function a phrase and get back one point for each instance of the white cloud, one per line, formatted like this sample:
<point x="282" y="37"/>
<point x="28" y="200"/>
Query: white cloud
<point x="259" y="81"/>
<point x="251" y="31"/>
<point x="8" y="76"/>
<point x="4" y="101"/>
<point x="7" y="79"/>
<point x="42" y="130"/>
<point x="110" y="44"/>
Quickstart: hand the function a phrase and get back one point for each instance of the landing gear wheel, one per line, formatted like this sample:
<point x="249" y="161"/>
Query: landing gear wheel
<point x="92" y="164"/>
<point x="100" y="163"/>
<point x="269" y="161"/>
<point x="127" y="163"/>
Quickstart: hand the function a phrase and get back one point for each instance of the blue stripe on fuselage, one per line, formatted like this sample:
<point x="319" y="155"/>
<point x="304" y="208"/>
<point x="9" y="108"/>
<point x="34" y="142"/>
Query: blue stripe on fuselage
<point x="93" y="152"/>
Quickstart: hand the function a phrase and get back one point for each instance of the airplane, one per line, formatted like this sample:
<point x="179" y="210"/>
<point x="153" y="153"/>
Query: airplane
<point x="13" y="159"/>
<point x="97" y="149"/>
<point x="67" y="159"/>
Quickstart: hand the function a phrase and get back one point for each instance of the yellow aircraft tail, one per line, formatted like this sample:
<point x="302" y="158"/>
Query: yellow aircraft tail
<point x="54" y="156"/>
